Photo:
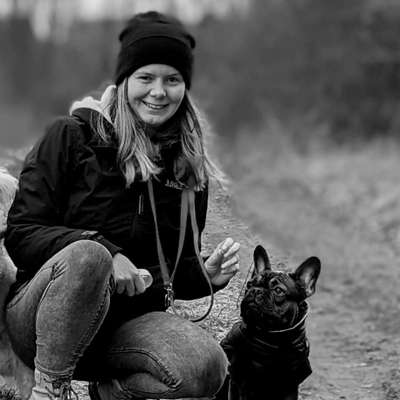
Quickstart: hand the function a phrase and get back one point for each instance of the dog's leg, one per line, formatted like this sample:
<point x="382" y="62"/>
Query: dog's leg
<point x="292" y="394"/>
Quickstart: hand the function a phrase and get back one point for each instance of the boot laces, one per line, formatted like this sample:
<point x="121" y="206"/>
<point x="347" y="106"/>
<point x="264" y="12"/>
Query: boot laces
<point x="66" y="392"/>
<point x="60" y="389"/>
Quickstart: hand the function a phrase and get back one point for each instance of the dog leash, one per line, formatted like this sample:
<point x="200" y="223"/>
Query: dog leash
<point x="187" y="207"/>
<point x="243" y="288"/>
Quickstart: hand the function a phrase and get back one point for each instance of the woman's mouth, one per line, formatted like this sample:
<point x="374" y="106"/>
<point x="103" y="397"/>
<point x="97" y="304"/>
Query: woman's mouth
<point x="155" y="106"/>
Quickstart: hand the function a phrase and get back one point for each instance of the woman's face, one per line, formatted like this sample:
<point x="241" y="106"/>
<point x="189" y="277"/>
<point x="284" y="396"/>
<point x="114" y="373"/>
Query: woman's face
<point x="155" y="92"/>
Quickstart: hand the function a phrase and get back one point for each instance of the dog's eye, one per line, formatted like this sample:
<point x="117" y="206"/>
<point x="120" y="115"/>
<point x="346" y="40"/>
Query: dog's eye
<point x="279" y="291"/>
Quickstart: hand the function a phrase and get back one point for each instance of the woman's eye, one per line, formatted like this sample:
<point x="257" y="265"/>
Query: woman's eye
<point x="173" y="80"/>
<point x="144" y="78"/>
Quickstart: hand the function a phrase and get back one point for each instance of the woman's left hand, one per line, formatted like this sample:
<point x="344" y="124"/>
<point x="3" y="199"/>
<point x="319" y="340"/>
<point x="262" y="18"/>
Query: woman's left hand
<point x="223" y="263"/>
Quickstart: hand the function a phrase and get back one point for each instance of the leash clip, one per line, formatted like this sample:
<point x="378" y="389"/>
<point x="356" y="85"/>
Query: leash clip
<point x="169" y="296"/>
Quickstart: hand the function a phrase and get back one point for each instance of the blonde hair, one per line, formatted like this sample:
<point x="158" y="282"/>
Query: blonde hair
<point x="136" y="151"/>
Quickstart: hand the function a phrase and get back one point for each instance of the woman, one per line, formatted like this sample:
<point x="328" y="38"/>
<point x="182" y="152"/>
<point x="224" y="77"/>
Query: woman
<point x="119" y="186"/>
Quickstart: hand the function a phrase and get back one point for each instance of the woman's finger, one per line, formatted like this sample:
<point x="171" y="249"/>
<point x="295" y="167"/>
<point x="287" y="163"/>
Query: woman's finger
<point x="140" y="285"/>
<point x="232" y="259"/>
<point x="234" y="248"/>
<point x="225" y="245"/>
<point x="231" y="270"/>
<point x="130" y="288"/>
<point x="229" y="263"/>
<point x="119" y="287"/>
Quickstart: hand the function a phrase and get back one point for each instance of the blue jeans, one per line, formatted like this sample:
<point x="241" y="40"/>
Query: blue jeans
<point x="68" y="323"/>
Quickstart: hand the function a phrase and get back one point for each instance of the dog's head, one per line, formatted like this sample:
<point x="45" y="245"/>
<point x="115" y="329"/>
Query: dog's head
<point x="273" y="299"/>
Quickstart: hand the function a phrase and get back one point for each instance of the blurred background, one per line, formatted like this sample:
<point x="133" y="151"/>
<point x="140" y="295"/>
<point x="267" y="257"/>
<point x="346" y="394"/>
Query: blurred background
<point x="320" y="67"/>
<point x="304" y="98"/>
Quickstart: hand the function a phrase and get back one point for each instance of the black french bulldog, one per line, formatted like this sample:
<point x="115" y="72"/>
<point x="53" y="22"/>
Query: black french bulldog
<point x="268" y="349"/>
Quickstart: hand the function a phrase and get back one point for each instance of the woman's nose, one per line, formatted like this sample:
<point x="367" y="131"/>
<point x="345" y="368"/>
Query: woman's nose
<point x="158" y="89"/>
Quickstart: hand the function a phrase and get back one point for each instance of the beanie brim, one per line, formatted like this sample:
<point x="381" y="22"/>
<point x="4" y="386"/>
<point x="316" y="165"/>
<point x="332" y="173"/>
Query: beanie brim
<point x="155" y="50"/>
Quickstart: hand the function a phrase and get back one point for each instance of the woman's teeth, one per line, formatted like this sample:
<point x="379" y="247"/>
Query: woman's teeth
<point x="155" y="106"/>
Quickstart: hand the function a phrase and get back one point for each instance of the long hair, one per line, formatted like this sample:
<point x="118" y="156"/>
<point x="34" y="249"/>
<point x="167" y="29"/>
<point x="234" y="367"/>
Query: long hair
<point x="137" y="153"/>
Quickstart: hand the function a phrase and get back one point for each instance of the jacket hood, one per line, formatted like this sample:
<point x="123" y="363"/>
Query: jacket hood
<point x="101" y="106"/>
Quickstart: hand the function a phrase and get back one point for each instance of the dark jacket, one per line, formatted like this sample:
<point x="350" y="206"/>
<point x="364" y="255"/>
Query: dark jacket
<point x="269" y="361"/>
<point x="70" y="188"/>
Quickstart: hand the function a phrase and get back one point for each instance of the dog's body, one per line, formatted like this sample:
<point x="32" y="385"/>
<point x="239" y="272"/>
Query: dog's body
<point x="268" y="350"/>
<point x="13" y="372"/>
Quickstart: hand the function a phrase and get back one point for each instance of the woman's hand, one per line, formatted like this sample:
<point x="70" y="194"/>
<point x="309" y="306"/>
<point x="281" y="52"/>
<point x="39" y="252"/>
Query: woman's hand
<point x="223" y="263"/>
<point x="126" y="276"/>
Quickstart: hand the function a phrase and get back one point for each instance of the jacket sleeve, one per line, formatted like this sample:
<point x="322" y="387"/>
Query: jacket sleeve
<point x="35" y="230"/>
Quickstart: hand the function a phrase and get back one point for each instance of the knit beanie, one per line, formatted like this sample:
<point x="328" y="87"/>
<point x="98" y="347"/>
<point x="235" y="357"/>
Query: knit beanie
<point x="155" y="38"/>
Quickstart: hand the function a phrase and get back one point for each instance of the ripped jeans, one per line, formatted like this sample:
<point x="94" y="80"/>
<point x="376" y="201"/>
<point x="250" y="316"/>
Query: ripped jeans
<point x="68" y="323"/>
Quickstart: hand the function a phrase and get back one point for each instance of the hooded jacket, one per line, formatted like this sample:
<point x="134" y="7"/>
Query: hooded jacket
<point x="71" y="188"/>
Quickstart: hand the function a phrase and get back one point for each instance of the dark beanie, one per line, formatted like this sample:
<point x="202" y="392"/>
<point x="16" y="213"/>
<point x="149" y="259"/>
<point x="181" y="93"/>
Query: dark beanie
<point x="155" y="38"/>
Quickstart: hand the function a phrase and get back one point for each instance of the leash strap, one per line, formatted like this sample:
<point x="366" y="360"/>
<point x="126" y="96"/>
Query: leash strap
<point x="195" y="229"/>
<point x="187" y="206"/>
<point x="161" y="258"/>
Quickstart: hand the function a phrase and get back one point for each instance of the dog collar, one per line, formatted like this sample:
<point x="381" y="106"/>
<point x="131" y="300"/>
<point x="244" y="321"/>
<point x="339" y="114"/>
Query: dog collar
<point x="290" y="332"/>
<point x="297" y="324"/>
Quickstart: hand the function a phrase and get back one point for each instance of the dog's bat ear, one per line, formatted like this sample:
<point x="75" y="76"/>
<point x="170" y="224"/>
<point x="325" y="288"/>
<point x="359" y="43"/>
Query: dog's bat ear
<point x="308" y="273"/>
<point x="261" y="260"/>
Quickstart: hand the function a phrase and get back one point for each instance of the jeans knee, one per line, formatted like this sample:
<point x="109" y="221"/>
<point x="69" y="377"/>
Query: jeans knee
<point x="90" y="259"/>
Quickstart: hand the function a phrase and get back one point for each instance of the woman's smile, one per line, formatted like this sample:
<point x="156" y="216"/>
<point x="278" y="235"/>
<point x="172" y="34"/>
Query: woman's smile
<point x="156" y="107"/>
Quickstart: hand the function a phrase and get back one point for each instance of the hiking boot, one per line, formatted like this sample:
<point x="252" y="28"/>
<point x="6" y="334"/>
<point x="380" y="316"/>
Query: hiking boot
<point x="47" y="388"/>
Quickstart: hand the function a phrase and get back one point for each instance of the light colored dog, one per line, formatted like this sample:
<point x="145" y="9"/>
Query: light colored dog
<point x="13" y="372"/>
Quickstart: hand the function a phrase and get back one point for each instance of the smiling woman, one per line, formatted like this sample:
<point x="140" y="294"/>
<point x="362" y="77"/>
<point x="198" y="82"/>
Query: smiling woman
<point x="117" y="187"/>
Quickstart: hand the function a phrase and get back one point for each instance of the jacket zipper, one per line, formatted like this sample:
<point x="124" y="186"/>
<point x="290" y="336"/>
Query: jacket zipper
<point x="140" y="204"/>
<point x="138" y="211"/>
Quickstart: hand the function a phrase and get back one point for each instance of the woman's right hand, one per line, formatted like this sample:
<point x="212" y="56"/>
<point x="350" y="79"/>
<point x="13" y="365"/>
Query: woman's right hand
<point x="126" y="276"/>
